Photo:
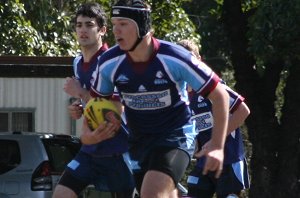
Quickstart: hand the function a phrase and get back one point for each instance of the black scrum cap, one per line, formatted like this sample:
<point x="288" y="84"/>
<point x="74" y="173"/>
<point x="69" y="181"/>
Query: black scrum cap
<point x="135" y="10"/>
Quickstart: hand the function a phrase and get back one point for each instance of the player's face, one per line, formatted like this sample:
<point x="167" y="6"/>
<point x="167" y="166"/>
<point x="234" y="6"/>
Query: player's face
<point x="87" y="31"/>
<point x="125" y="32"/>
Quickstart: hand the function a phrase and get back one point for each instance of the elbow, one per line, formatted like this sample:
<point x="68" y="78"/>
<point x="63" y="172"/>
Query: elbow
<point x="244" y="109"/>
<point x="248" y="112"/>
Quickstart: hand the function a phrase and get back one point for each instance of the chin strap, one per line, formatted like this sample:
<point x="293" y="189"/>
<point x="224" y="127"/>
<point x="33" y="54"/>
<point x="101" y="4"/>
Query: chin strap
<point x="138" y="40"/>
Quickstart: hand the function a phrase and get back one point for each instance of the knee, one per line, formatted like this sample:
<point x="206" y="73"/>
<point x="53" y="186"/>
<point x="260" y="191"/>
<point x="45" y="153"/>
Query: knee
<point x="61" y="191"/>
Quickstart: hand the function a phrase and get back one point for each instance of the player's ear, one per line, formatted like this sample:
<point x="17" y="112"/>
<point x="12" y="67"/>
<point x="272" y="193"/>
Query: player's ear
<point x="102" y="30"/>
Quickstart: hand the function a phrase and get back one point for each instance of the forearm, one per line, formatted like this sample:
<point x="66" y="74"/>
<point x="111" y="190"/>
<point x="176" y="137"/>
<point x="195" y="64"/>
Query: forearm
<point x="86" y="140"/>
<point x="220" y="109"/>
<point x="84" y="95"/>
<point x="119" y="106"/>
<point x="73" y="87"/>
<point x="238" y="117"/>
<point x="104" y="131"/>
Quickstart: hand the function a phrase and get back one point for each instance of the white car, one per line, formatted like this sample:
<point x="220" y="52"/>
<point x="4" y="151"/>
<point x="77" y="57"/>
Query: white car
<point x="31" y="163"/>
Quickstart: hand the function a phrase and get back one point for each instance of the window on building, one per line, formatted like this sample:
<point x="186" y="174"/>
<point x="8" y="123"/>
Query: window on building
<point x="16" y="121"/>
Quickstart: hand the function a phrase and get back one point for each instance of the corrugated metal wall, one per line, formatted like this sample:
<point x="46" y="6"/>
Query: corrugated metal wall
<point x="45" y="95"/>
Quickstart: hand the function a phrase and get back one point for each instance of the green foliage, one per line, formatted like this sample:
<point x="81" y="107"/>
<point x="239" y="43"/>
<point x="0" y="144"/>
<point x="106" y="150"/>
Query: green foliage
<point x="274" y="30"/>
<point x="171" y="23"/>
<point x="17" y="36"/>
<point x="279" y="94"/>
<point x="206" y="15"/>
<point x="44" y="28"/>
<point x="53" y="21"/>
<point x="24" y="35"/>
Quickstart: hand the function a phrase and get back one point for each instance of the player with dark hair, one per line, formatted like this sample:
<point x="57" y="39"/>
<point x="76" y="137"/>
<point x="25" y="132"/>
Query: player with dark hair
<point x="101" y="164"/>
<point x="151" y="76"/>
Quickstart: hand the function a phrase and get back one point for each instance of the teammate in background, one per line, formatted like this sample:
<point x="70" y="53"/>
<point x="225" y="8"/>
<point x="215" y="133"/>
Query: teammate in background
<point x="191" y="46"/>
<point x="150" y="76"/>
<point x="101" y="164"/>
<point x="234" y="177"/>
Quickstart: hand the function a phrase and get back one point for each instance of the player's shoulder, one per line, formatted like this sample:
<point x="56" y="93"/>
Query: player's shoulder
<point x="77" y="59"/>
<point x="173" y="49"/>
<point x="111" y="53"/>
<point x="176" y="54"/>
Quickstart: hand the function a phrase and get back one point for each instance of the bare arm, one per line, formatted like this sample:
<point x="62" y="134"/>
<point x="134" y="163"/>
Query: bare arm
<point x="73" y="87"/>
<point x="220" y="110"/>
<point x="238" y="117"/>
<point x="235" y="120"/>
<point x="104" y="131"/>
<point x="119" y="106"/>
<point x="215" y="150"/>
<point x="75" y="110"/>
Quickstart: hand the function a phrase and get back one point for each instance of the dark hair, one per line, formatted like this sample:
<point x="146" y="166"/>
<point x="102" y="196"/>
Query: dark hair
<point x="92" y="10"/>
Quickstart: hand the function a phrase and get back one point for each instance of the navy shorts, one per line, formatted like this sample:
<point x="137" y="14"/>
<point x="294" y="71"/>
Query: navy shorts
<point x="171" y="161"/>
<point x="234" y="178"/>
<point x="107" y="174"/>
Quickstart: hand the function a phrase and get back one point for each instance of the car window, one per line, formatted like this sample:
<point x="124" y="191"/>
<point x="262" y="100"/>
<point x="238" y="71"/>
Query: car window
<point x="10" y="156"/>
<point x="60" y="153"/>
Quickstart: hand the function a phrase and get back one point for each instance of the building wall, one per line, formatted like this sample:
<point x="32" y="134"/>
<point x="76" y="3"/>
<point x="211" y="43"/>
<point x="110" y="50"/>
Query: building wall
<point x="45" y="96"/>
<point x="37" y="83"/>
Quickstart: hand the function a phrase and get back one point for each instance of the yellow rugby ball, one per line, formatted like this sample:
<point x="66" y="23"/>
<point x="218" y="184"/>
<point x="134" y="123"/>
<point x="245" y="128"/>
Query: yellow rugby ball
<point x="98" y="110"/>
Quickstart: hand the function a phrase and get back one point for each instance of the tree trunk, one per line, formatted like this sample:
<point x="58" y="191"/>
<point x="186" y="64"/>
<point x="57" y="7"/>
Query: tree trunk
<point x="288" y="184"/>
<point x="260" y="94"/>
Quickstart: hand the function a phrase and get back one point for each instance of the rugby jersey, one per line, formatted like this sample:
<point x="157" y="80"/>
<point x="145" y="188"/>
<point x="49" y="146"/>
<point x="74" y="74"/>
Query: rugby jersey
<point x="83" y="72"/>
<point x="202" y="115"/>
<point x="154" y="93"/>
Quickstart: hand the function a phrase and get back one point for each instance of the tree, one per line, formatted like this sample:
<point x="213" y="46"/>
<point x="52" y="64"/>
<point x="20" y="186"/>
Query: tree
<point x="275" y="42"/>
<point x="44" y="28"/>
<point x="215" y="50"/>
<point x="261" y="40"/>
<point x="15" y="29"/>
<point x="170" y="21"/>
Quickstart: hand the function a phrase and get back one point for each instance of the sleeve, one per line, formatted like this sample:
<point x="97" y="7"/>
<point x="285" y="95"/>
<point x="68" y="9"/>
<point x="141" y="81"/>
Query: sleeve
<point x="235" y="99"/>
<point x="199" y="76"/>
<point x="102" y="80"/>
<point x="211" y="79"/>
<point x="75" y="66"/>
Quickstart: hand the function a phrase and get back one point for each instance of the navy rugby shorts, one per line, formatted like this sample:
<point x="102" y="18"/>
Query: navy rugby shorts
<point x="233" y="179"/>
<point x="107" y="174"/>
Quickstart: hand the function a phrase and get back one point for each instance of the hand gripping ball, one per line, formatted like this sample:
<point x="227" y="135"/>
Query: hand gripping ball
<point x="98" y="110"/>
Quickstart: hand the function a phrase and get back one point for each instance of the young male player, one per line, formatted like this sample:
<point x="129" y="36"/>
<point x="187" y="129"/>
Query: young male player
<point x="151" y="77"/>
<point x="101" y="164"/>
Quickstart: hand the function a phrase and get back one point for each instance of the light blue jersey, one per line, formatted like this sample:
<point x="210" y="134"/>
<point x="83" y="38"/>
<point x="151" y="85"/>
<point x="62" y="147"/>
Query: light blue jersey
<point x="154" y="93"/>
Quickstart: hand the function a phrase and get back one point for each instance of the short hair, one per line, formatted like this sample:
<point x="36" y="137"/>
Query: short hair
<point x="92" y="10"/>
<point x="191" y="46"/>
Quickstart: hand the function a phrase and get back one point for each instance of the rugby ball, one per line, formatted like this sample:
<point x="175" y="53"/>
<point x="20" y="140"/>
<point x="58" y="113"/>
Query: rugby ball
<point x="98" y="110"/>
